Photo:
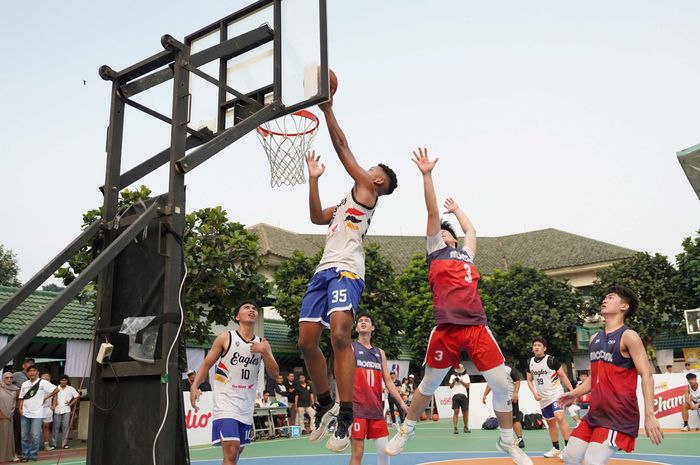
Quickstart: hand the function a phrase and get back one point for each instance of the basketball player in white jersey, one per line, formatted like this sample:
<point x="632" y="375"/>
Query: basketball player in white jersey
<point x="238" y="356"/>
<point x="333" y="294"/>
<point x="544" y="378"/>
<point x="692" y="399"/>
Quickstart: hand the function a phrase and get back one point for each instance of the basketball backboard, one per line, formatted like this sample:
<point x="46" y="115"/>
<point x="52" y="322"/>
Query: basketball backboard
<point x="283" y="57"/>
<point x="692" y="321"/>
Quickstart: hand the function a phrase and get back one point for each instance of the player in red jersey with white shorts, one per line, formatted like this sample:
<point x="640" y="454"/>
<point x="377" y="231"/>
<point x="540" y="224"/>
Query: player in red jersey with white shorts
<point x="617" y="356"/>
<point x="461" y="321"/>
<point x="367" y="404"/>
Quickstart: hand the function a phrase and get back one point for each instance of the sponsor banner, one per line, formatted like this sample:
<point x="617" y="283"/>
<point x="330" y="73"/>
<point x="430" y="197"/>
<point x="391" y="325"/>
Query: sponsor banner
<point x="198" y="423"/>
<point x="669" y="392"/>
<point x="400" y="367"/>
<point x="692" y="356"/>
<point x="669" y="395"/>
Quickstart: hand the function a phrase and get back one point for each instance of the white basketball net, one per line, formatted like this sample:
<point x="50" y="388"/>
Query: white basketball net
<point x="286" y="140"/>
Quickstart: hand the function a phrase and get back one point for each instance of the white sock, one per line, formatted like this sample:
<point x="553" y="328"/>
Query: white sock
<point x="411" y="424"/>
<point x="507" y="435"/>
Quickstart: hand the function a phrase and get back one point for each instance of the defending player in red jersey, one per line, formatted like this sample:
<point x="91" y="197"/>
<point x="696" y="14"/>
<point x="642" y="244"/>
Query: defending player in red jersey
<point x="617" y="356"/>
<point x="461" y="321"/>
<point x="367" y="404"/>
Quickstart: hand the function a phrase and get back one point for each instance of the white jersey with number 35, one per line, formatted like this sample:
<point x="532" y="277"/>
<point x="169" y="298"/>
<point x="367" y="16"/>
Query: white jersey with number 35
<point x="236" y="380"/>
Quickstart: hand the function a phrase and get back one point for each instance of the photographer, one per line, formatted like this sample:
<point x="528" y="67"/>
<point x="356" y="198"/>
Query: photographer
<point x="459" y="384"/>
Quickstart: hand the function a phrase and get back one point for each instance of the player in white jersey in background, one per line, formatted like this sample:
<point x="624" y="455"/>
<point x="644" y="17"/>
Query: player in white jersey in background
<point x="544" y="378"/>
<point x="238" y="356"/>
<point x="333" y="294"/>
<point x="692" y="399"/>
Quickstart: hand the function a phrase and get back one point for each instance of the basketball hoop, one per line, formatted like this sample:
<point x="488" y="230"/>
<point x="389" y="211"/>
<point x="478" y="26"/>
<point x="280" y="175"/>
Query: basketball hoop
<point x="286" y="140"/>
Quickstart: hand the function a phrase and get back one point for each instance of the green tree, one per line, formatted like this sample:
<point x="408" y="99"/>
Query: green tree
<point x="418" y="304"/>
<point x="9" y="270"/>
<point x="222" y="258"/>
<point x="291" y="279"/>
<point x="656" y="283"/>
<point x="80" y="261"/>
<point x="382" y="297"/>
<point x="524" y="303"/>
<point x="51" y="287"/>
<point x="688" y="264"/>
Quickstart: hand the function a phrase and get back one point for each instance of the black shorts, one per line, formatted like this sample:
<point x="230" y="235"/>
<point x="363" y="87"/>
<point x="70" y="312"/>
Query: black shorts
<point x="460" y="401"/>
<point x="517" y="414"/>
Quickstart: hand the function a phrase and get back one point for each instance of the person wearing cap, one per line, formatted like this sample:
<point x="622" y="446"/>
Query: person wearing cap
<point x="64" y="402"/>
<point x="459" y="384"/>
<point x="692" y="399"/>
<point x="19" y="377"/>
<point x="187" y="382"/>
<point x="32" y="395"/>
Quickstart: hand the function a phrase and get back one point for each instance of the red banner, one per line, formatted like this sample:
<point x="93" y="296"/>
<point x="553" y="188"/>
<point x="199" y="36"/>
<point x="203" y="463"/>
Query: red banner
<point x="669" y="401"/>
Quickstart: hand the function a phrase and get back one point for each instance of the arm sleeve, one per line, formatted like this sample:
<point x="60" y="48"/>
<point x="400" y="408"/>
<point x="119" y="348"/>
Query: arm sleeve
<point x="435" y="243"/>
<point x="553" y="363"/>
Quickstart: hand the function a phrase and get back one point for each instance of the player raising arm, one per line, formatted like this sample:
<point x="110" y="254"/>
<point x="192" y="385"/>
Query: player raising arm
<point x="460" y="318"/>
<point x="333" y="294"/>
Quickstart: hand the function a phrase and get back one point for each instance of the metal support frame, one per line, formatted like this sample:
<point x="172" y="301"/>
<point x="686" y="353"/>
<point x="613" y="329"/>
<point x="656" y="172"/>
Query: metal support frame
<point x="176" y="63"/>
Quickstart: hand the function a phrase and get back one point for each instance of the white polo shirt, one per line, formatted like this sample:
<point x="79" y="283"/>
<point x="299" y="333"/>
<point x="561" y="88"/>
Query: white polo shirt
<point x="64" y="398"/>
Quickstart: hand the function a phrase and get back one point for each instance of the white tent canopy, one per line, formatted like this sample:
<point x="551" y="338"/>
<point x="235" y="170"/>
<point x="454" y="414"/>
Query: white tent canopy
<point x="690" y="161"/>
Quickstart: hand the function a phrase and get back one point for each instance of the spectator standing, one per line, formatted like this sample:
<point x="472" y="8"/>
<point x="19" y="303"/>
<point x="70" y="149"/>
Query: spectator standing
<point x="393" y="403"/>
<point x="303" y="401"/>
<point x="31" y="409"/>
<point x="19" y="377"/>
<point x="47" y="420"/>
<point x="8" y="403"/>
<point x="291" y="385"/>
<point x="459" y="385"/>
<point x="687" y="368"/>
<point x="669" y="369"/>
<point x="65" y="401"/>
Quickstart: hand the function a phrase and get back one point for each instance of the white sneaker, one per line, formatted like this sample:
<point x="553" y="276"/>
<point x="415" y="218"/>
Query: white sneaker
<point x="321" y="426"/>
<point x="398" y="442"/>
<point x="516" y="454"/>
<point x="685" y="428"/>
<point x="340" y="440"/>
<point x="553" y="452"/>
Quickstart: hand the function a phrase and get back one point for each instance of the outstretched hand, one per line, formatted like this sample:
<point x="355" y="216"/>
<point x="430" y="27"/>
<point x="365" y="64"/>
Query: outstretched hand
<point x="424" y="164"/>
<point x="316" y="168"/>
<point x="450" y="205"/>
<point x="566" y="399"/>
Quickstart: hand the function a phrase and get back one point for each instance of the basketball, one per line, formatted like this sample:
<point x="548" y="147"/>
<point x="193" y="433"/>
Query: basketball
<point x="436" y="417"/>
<point x="423" y="416"/>
<point x="333" y="80"/>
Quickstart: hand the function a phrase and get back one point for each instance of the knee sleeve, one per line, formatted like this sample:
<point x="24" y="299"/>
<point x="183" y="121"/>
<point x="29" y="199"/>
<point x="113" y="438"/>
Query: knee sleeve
<point x="497" y="379"/>
<point x="380" y="445"/>
<point x="432" y="379"/>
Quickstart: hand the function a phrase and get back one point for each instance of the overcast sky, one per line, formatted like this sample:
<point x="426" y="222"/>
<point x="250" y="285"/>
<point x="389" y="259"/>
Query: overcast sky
<point x="545" y="114"/>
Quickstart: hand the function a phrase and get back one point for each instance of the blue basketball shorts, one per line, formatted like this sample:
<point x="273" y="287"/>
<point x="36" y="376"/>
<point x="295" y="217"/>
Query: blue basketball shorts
<point x="549" y="411"/>
<point x="228" y="429"/>
<point x="329" y="291"/>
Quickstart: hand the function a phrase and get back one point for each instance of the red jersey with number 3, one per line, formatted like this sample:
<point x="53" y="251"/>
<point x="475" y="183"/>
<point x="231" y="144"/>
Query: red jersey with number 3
<point x="367" y="395"/>
<point x="454" y="281"/>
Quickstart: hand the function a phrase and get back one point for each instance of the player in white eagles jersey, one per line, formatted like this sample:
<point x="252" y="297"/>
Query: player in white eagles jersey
<point x="544" y="378"/>
<point x="238" y="355"/>
<point x="692" y="399"/>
